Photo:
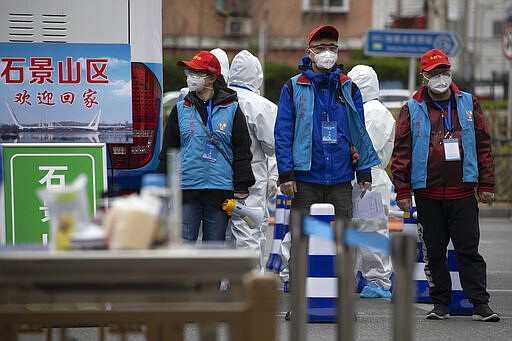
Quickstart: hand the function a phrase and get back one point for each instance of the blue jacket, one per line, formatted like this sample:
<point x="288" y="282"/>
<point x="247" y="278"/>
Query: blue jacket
<point x="420" y="128"/>
<point x="196" y="173"/>
<point x="298" y="129"/>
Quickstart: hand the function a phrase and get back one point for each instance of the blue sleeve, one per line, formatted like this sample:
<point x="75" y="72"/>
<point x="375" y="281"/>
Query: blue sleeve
<point x="284" y="131"/>
<point x="358" y="103"/>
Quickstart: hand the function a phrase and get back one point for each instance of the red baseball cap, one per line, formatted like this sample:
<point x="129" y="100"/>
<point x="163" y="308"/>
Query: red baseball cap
<point x="432" y="59"/>
<point x="329" y="31"/>
<point x="204" y="60"/>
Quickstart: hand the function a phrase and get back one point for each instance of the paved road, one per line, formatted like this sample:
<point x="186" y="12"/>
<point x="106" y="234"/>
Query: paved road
<point x="375" y="316"/>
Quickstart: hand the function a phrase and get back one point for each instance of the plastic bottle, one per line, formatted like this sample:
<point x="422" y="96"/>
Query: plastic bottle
<point x="155" y="185"/>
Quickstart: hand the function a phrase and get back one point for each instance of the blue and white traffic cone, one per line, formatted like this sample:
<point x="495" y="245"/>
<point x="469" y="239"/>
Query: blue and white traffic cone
<point x="322" y="281"/>
<point x="274" y="262"/>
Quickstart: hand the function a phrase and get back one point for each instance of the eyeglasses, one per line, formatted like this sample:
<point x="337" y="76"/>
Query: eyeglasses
<point x="324" y="47"/>
<point x="433" y="73"/>
<point x="197" y="73"/>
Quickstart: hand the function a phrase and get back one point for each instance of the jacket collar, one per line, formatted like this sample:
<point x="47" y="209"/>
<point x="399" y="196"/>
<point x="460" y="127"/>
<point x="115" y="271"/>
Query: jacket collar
<point x="308" y="75"/>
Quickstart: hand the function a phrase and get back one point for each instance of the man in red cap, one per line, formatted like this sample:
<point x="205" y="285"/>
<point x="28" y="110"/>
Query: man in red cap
<point x="320" y="137"/>
<point x="443" y="154"/>
<point x="319" y="133"/>
<point x="211" y="132"/>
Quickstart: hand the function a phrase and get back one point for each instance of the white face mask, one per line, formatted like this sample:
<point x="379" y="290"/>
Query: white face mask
<point x="326" y="59"/>
<point x="195" y="83"/>
<point x="439" y="84"/>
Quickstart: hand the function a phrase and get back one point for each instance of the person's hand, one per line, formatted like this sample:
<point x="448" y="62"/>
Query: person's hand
<point x="365" y="186"/>
<point x="486" y="197"/>
<point x="405" y="204"/>
<point x="271" y="189"/>
<point x="289" y="188"/>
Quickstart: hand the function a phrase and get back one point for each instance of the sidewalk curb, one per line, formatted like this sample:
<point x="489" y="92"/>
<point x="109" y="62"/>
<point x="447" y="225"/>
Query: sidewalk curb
<point x="495" y="212"/>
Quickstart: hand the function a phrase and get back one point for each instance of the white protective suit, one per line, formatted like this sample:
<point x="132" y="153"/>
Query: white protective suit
<point x="224" y="62"/>
<point x="246" y="77"/>
<point x="375" y="266"/>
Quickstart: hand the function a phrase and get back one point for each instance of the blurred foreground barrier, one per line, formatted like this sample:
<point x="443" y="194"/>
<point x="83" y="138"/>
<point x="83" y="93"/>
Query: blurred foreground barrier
<point x="346" y="238"/>
<point x="159" y="290"/>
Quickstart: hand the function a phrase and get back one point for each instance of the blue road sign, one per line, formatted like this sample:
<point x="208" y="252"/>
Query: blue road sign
<point x="411" y="43"/>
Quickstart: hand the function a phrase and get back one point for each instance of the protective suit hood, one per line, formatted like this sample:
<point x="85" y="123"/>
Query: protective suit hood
<point x="223" y="60"/>
<point x="367" y="82"/>
<point x="246" y="71"/>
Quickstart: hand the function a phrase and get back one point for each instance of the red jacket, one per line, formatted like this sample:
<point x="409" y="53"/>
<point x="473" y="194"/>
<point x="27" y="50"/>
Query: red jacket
<point x="444" y="178"/>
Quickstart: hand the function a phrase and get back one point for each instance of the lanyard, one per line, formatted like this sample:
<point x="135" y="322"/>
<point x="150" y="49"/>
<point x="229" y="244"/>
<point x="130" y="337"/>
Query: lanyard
<point x="448" y="116"/>
<point x="209" y="110"/>
<point x="322" y="104"/>
<point x="210" y="136"/>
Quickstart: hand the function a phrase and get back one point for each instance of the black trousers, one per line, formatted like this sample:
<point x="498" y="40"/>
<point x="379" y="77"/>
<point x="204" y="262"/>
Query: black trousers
<point x="440" y="221"/>
<point x="340" y="195"/>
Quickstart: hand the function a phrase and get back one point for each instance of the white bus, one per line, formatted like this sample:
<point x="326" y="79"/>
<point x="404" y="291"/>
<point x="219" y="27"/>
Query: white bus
<point x="134" y="22"/>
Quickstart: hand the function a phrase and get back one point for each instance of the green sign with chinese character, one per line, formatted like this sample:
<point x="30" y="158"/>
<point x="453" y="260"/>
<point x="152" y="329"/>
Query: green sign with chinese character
<point x="29" y="167"/>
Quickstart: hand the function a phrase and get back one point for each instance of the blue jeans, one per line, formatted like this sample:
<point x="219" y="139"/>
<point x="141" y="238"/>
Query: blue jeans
<point x="215" y="222"/>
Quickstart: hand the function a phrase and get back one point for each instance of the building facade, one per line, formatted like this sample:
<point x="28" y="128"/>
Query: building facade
<point x="277" y="30"/>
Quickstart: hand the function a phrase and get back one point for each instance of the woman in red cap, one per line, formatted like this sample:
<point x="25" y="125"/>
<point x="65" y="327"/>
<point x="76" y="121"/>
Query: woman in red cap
<point x="211" y="132"/>
<point x="442" y="153"/>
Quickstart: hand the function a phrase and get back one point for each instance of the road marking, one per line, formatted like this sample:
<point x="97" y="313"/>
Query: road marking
<point x="499" y="290"/>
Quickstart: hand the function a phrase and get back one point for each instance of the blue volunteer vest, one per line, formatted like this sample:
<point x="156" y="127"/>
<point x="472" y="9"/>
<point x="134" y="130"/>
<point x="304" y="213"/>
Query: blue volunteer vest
<point x="420" y="130"/>
<point x="196" y="173"/>
<point x="303" y="136"/>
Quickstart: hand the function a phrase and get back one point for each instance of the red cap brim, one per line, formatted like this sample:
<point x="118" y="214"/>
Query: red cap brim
<point x="322" y="30"/>
<point x="433" y="66"/>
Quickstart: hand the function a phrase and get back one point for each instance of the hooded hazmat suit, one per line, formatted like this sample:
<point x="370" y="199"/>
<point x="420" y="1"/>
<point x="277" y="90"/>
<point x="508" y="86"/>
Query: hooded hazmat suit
<point x="375" y="266"/>
<point x="246" y="77"/>
<point x="223" y="60"/>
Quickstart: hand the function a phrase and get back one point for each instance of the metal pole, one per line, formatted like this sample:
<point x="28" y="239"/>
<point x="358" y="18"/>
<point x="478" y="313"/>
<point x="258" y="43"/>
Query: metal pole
<point x="262" y="43"/>
<point x="175" y="197"/>
<point x="465" y="59"/>
<point x="404" y="254"/>
<point x="344" y="268"/>
<point x="298" y="268"/>
<point x="412" y="75"/>
<point x="509" y="118"/>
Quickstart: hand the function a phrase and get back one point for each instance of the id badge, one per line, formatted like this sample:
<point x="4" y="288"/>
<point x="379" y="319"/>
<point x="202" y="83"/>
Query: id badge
<point x="451" y="149"/>
<point x="210" y="152"/>
<point x="329" y="132"/>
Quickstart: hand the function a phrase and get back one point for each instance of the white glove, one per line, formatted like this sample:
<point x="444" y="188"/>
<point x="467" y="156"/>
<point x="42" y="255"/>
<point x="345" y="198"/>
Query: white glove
<point x="271" y="189"/>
